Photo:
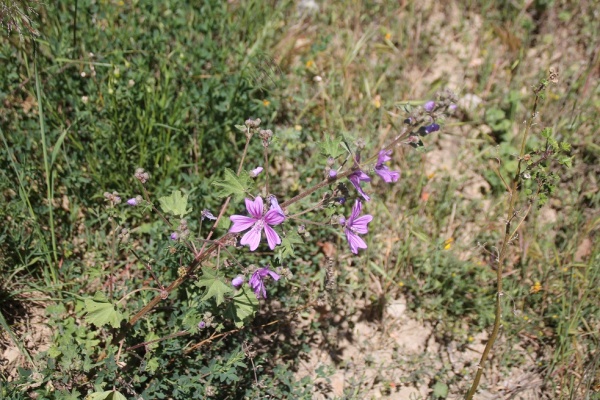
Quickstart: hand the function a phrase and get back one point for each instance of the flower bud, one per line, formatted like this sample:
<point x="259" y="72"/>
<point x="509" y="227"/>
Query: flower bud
<point x="238" y="281"/>
<point x="429" y="106"/>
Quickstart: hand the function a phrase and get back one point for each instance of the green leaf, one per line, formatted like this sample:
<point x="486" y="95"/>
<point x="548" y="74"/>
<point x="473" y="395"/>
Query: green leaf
<point x="440" y="389"/>
<point x="152" y="365"/>
<point x="233" y="185"/>
<point x="175" y="204"/>
<point x="100" y="311"/>
<point x="564" y="146"/>
<point x="287" y="245"/>
<point x="243" y="306"/>
<point x="566" y="161"/>
<point x="331" y="147"/>
<point x="215" y="287"/>
<point x="108" y="395"/>
<point x="546" y="133"/>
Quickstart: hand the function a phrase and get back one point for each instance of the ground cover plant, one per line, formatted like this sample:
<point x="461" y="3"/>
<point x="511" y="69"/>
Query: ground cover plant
<point x="262" y="199"/>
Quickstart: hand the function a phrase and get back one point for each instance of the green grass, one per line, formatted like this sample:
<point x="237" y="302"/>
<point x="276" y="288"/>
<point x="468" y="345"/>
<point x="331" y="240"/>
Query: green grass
<point x="162" y="85"/>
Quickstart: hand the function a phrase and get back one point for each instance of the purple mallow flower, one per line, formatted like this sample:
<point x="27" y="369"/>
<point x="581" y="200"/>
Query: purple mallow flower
<point x="257" y="282"/>
<point x="132" y="202"/>
<point x="275" y="205"/>
<point x="256" y="223"/>
<point x="174" y="236"/>
<point x="359" y="176"/>
<point x="238" y="281"/>
<point x="382" y="170"/>
<point x="429" y="106"/>
<point x="201" y="325"/>
<point x="355" y="225"/>
<point x="254" y="173"/>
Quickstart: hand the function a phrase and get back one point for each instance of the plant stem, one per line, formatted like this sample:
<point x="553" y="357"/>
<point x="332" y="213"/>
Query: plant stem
<point x="47" y="169"/>
<point x="508" y="234"/>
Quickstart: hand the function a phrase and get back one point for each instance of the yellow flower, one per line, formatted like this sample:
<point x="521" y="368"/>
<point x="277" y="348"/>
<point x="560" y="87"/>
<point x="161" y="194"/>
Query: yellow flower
<point x="309" y="64"/>
<point x="470" y="338"/>
<point x="536" y="287"/>
<point x="298" y="127"/>
<point x="377" y="101"/>
<point x="266" y="103"/>
<point x="388" y="36"/>
<point x="448" y="243"/>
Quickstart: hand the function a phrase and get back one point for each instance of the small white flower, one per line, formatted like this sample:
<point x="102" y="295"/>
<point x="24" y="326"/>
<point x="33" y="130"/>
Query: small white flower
<point x="84" y="99"/>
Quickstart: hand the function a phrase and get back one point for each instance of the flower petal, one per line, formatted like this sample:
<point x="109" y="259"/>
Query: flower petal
<point x="383" y="156"/>
<point x="274" y="217"/>
<point x="356" y="184"/>
<point x="360" y="224"/>
<point x="241" y="223"/>
<point x="272" y="237"/>
<point x="387" y="175"/>
<point x="256" y="207"/>
<point x="274" y="275"/>
<point x="356" y="208"/>
<point x="354" y="241"/>
<point x="251" y="238"/>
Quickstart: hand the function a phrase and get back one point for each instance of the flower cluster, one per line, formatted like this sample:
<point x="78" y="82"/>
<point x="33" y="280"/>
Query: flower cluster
<point x="381" y="169"/>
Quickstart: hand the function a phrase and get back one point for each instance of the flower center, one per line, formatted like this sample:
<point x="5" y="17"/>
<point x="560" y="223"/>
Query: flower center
<point x="258" y="225"/>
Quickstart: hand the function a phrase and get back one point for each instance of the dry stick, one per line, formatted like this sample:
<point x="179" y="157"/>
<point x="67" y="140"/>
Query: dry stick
<point x="508" y="234"/>
<point x="205" y="253"/>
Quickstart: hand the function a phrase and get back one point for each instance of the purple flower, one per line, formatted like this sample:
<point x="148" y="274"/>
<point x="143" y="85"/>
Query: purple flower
<point x="382" y="170"/>
<point x="207" y="214"/>
<point x="332" y="173"/>
<point x="257" y="282"/>
<point x="355" y="178"/>
<point x="275" y="205"/>
<point x="174" y="236"/>
<point x="452" y="108"/>
<point x="426" y="130"/>
<point x="257" y="223"/>
<point x="254" y="173"/>
<point x="355" y="225"/>
<point x="132" y="202"/>
<point x="429" y="106"/>
<point x="237" y="281"/>
<point x="201" y="325"/>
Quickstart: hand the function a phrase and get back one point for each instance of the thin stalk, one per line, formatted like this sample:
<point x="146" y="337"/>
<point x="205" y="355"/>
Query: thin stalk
<point x="48" y="170"/>
<point x="511" y="214"/>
